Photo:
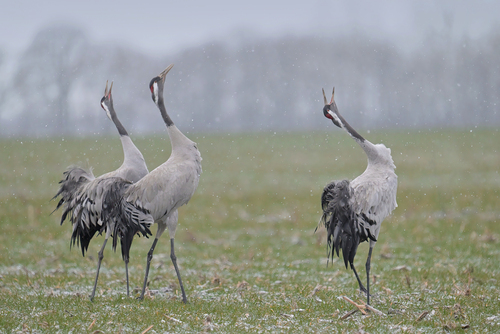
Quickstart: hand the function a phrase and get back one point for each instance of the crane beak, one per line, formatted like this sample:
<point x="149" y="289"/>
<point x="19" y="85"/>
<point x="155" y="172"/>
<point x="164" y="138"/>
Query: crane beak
<point x="164" y="73"/>
<point x="324" y="96"/>
<point x="107" y="93"/>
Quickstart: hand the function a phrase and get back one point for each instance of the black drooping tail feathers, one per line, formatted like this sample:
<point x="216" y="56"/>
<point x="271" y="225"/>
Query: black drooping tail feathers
<point x="75" y="177"/>
<point x="127" y="219"/>
<point x="94" y="205"/>
<point x="83" y="229"/>
<point x="344" y="228"/>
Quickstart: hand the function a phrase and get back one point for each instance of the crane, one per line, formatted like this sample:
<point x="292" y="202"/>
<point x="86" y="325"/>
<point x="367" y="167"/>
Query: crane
<point x="81" y="193"/>
<point x="156" y="197"/>
<point x="353" y="211"/>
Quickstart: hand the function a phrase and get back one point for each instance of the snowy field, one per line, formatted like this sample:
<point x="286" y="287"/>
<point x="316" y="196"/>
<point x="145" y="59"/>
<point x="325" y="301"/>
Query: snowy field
<point x="246" y="246"/>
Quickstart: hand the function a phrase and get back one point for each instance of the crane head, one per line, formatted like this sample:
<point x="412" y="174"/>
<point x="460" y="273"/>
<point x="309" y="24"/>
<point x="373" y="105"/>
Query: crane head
<point x="330" y="109"/>
<point x="107" y="100"/>
<point x="156" y="85"/>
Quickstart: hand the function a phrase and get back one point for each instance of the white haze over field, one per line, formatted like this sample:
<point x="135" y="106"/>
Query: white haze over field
<point x="166" y="26"/>
<point x="248" y="66"/>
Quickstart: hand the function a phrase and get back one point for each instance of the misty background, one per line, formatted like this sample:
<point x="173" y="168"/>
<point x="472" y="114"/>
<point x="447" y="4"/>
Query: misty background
<point x="248" y="66"/>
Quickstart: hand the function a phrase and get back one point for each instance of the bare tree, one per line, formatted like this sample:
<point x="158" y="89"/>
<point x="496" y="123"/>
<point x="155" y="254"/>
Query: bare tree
<point x="266" y="84"/>
<point x="46" y="72"/>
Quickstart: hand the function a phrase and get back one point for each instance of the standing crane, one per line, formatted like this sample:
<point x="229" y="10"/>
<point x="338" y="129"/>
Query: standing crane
<point x="81" y="193"/>
<point x="353" y="211"/>
<point x="158" y="195"/>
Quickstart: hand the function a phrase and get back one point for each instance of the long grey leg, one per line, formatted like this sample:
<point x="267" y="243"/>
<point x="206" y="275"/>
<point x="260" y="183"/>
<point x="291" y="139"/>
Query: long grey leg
<point x="368" y="275"/>
<point x="361" y="287"/>
<point x="174" y="261"/>
<point x="126" y="274"/>
<point x="100" y="257"/>
<point x="150" y="257"/>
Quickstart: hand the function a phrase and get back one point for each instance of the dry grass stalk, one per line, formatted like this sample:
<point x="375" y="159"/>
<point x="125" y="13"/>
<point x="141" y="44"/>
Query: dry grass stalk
<point x="422" y="316"/>
<point x="361" y="308"/>
<point x="348" y="314"/>
<point x="92" y="324"/>
<point x="147" y="329"/>
<point x="173" y="319"/>
<point x="373" y="309"/>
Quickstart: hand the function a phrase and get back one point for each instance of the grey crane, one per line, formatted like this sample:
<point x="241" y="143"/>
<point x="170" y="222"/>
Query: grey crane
<point x="353" y="211"/>
<point x="81" y="193"/>
<point x="158" y="195"/>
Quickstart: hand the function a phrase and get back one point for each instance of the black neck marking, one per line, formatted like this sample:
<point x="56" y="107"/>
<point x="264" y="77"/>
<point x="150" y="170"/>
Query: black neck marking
<point x="166" y="118"/>
<point x="350" y="130"/>
<point x="120" y="128"/>
<point x="118" y="124"/>
<point x="346" y="125"/>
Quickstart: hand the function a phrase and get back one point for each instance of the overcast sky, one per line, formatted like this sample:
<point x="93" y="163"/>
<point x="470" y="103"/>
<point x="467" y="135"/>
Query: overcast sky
<point x="164" y="26"/>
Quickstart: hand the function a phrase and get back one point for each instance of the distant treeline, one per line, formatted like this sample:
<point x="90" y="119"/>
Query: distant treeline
<point x="257" y="85"/>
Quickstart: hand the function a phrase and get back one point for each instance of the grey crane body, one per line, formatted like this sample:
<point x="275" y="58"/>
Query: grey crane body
<point x="353" y="211"/>
<point x="171" y="184"/>
<point x="156" y="197"/>
<point x="375" y="190"/>
<point x="82" y="193"/>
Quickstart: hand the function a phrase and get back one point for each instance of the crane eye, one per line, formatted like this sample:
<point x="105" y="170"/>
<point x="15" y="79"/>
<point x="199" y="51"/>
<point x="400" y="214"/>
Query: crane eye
<point x="326" y="108"/>
<point x="152" y="82"/>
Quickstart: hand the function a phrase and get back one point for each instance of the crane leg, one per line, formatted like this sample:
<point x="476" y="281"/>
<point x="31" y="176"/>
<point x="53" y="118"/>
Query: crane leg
<point x="368" y="261"/>
<point x="361" y="287"/>
<point x="126" y="275"/>
<point x="100" y="257"/>
<point x="174" y="261"/>
<point x="150" y="257"/>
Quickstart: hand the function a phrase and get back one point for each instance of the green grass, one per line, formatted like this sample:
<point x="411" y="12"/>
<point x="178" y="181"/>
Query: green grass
<point x="245" y="244"/>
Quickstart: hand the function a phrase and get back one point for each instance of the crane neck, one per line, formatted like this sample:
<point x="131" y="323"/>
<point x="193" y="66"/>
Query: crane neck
<point x="118" y="124"/>
<point x="130" y="151"/>
<point x="367" y="146"/>
<point x="346" y="126"/>
<point x="177" y="138"/>
<point x="370" y="151"/>
<point x="166" y="118"/>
